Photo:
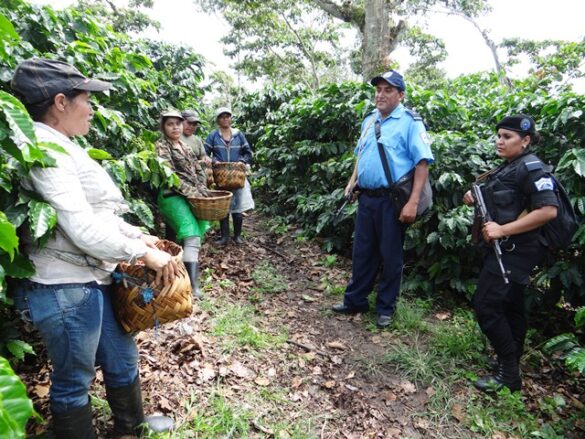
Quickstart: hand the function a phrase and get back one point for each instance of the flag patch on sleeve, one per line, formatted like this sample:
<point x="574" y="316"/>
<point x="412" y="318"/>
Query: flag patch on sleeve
<point x="544" y="184"/>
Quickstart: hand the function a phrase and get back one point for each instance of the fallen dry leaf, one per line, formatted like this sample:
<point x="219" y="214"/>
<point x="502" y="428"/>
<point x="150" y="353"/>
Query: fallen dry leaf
<point x="262" y="381"/>
<point x="329" y="384"/>
<point x="336" y="345"/>
<point x="408" y="387"/>
<point x="422" y="423"/>
<point x="394" y="432"/>
<point x="41" y="391"/>
<point x="458" y="412"/>
<point x="296" y="382"/>
<point x="443" y="315"/>
<point x="241" y="371"/>
<point x="389" y="396"/>
<point x="207" y="372"/>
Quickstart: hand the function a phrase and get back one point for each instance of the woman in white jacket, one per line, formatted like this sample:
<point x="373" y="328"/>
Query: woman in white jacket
<point x="68" y="298"/>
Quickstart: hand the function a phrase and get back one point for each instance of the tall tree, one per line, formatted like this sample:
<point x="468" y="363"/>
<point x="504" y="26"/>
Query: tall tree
<point x="287" y="37"/>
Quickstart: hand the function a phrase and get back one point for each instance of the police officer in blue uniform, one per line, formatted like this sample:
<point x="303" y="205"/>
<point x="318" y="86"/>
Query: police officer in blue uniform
<point x="380" y="227"/>
<point x="520" y="197"/>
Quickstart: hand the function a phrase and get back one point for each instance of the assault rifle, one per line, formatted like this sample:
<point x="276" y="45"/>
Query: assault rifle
<point x="485" y="217"/>
<point x="347" y="199"/>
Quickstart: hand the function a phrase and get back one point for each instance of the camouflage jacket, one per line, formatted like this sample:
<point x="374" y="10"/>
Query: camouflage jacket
<point x="183" y="161"/>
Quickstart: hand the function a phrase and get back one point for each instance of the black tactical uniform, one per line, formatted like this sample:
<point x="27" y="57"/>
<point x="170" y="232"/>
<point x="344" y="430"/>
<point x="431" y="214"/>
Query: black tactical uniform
<point x="521" y="185"/>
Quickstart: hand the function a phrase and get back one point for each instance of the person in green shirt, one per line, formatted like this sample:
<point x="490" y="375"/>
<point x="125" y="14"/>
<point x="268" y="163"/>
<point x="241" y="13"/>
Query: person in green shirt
<point x="191" y="124"/>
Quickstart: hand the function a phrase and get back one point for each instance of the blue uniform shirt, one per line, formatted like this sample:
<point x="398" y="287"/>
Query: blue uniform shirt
<point x="405" y="141"/>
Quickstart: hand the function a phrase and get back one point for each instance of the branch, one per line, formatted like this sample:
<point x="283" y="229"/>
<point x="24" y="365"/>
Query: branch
<point x="500" y="70"/>
<point x="346" y="12"/>
<point x="303" y="48"/>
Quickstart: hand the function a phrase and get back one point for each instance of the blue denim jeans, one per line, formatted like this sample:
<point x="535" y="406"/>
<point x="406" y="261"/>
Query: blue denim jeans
<point x="77" y="324"/>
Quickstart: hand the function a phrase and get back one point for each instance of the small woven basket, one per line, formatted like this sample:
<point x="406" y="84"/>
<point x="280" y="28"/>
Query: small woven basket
<point x="208" y="172"/>
<point x="214" y="207"/>
<point x="229" y="175"/>
<point x="135" y="306"/>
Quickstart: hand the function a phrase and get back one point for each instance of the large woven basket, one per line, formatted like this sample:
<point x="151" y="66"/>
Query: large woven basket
<point x="229" y="175"/>
<point x="132" y="306"/>
<point x="208" y="172"/>
<point x="214" y="207"/>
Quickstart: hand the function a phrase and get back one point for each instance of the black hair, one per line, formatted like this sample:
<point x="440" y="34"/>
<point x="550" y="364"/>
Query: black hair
<point x="535" y="137"/>
<point x="39" y="110"/>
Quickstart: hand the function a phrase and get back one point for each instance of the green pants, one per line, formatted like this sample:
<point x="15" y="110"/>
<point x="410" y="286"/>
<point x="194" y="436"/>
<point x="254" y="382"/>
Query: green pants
<point x="177" y="214"/>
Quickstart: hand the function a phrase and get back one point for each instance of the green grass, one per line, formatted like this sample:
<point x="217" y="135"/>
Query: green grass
<point x="238" y="326"/>
<point x="415" y="362"/>
<point x="267" y="279"/>
<point x="458" y="340"/>
<point x="409" y="315"/>
<point x="220" y="419"/>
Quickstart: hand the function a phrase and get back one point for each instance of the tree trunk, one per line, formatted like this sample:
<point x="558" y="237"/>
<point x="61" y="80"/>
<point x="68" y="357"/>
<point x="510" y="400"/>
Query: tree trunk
<point x="378" y="32"/>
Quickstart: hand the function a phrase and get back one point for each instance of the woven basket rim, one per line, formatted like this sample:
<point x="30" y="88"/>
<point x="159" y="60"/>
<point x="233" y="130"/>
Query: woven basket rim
<point x="228" y="165"/>
<point x="224" y="194"/>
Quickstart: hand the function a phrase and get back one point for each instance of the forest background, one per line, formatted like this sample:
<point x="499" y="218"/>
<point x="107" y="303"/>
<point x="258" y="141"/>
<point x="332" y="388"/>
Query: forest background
<point x="303" y="124"/>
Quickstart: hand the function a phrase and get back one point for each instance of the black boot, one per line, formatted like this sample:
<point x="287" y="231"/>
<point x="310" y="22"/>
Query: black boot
<point x="74" y="424"/>
<point x="225" y="232"/>
<point x="494" y="363"/>
<point x="238" y="219"/>
<point x="508" y="375"/>
<point x="126" y="405"/>
<point x="193" y="271"/>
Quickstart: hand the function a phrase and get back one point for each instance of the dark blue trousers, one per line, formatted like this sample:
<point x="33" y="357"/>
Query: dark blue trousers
<point x="377" y="245"/>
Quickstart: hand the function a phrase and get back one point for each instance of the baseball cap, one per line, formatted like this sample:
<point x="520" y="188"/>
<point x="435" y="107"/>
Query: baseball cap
<point x="222" y="110"/>
<point x="171" y="113"/>
<point x="38" y="79"/>
<point x="190" y="116"/>
<point x="521" y="123"/>
<point x="392" y="77"/>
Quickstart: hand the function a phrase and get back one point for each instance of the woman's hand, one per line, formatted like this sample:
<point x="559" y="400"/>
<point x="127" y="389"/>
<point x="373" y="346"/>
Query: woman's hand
<point x="161" y="262"/>
<point x="492" y="230"/>
<point x="468" y="198"/>
<point x="149" y="240"/>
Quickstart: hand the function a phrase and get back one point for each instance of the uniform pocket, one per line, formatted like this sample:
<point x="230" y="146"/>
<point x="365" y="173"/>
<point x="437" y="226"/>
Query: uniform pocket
<point x="506" y="206"/>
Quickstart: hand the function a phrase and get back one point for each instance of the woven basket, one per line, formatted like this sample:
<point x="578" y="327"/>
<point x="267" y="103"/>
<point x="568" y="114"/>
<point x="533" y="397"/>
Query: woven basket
<point x="172" y="302"/>
<point x="229" y="175"/>
<point x="215" y="207"/>
<point x="208" y="172"/>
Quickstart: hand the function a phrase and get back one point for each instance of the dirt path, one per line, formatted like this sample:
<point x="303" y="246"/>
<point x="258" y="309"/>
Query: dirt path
<point x="262" y="356"/>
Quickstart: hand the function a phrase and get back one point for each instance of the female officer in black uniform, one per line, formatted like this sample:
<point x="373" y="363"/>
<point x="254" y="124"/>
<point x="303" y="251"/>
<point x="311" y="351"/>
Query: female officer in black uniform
<point x="520" y="197"/>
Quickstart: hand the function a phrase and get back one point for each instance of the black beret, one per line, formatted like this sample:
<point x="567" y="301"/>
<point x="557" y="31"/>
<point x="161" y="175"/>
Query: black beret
<point x="521" y="123"/>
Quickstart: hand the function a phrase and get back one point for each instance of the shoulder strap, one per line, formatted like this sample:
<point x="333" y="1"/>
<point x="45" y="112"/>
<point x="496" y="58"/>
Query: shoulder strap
<point x="365" y="132"/>
<point x="382" y="153"/>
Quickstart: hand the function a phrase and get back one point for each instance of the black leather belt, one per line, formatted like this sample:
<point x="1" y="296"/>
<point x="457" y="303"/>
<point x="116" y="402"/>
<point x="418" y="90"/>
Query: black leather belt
<point x="376" y="193"/>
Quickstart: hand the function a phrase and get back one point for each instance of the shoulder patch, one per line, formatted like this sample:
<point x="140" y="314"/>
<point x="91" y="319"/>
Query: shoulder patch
<point x="533" y="165"/>
<point x="544" y="184"/>
<point x="426" y="139"/>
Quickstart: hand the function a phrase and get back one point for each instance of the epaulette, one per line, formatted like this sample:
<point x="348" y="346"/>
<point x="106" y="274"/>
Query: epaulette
<point x="369" y="114"/>
<point x="413" y="114"/>
<point x="532" y="163"/>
